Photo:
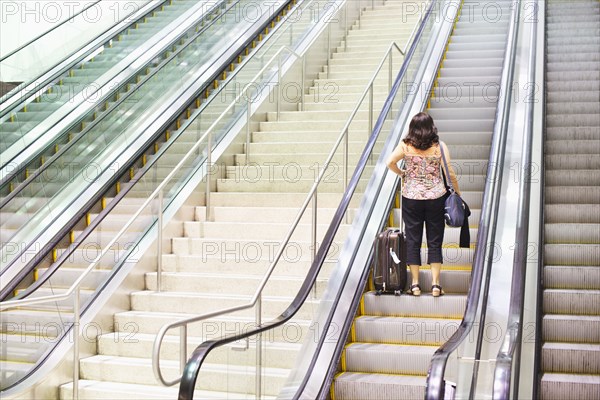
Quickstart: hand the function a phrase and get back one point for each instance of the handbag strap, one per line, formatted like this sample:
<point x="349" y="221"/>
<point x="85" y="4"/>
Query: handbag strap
<point x="445" y="167"/>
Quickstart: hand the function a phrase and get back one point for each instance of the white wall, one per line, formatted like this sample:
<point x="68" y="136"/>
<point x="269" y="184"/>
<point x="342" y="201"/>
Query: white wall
<point x="23" y="20"/>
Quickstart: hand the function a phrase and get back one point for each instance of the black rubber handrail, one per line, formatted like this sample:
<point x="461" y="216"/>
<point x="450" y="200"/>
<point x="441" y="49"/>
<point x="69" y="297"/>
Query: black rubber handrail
<point x="7" y="291"/>
<point x="190" y="374"/>
<point x="508" y="357"/>
<point x="15" y="51"/>
<point x="58" y="74"/>
<point x="483" y="257"/>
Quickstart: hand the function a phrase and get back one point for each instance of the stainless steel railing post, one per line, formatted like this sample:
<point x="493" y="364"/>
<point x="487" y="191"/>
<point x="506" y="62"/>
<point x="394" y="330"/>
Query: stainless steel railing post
<point x="182" y="348"/>
<point x="208" y="173"/>
<point x="313" y="240"/>
<point x="278" y="87"/>
<point x="328" y="48"/>
<point x="346" y="156"/>
<point x="248" y="121"/>
<point x="391" y="67"/>
<point x="303" y="82"/>
<point x="159" y="249"/>
<point x="76" y="308"/>
<point x="258" y="382"/>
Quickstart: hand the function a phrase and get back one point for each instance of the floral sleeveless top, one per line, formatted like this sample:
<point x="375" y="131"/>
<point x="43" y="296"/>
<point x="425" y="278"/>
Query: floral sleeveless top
<point x="423" y="179"/>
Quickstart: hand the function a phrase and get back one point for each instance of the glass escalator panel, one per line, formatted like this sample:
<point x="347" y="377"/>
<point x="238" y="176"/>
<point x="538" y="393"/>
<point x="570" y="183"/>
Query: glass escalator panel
<point x="27" y="120"/>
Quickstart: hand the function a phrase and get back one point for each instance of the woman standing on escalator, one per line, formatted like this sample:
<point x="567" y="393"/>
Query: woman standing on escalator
<point x="423" y="196"/>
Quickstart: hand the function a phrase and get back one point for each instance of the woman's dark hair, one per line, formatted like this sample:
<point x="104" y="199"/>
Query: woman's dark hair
<point x="422" y="133"/>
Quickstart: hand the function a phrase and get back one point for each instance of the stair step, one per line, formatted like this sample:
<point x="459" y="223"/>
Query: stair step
<point x="105" y="390"/>
<point x="139" y="371"/>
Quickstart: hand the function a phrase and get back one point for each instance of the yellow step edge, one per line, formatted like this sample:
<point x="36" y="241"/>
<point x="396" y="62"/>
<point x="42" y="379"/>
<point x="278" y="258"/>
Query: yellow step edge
<point x="72" y="237"/>
<point x="118" y="187"/>
<point x="103" y="203"/>
<point x="396" y="344"/>
<point x="332" y="388"/>
<point x="362" y="305"/>
<point x="386" y="373"/>
<point x="88" y="219"/>
<point x="36" y="274"/>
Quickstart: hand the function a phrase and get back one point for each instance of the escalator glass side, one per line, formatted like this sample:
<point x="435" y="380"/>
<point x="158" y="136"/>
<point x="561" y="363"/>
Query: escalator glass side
<point x="118" y="249"/>
<point x="94" y="154"/>
<point x="46" y="104"/>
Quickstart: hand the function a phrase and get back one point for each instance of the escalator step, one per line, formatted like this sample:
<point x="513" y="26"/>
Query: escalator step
<point x="564" y="386"/>
<point x="579" y="177"/>
<point x="388" y="358"/>
<point x="571" y="301"/>
<point x="571" y="328"/>
<point x="571" y="358"/>
<point x="572" y="254"/>
<point x="583" y="213"/>
<point x="563" y="277"/>
<point x="360" y="386"/>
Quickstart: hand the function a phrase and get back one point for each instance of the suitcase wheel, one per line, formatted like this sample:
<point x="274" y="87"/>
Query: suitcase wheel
<point x="378" y="293"/>
<point x="397" y="292"/>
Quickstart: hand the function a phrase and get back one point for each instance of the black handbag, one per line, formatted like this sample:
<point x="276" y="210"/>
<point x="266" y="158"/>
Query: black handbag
<point x="455" y="207"/>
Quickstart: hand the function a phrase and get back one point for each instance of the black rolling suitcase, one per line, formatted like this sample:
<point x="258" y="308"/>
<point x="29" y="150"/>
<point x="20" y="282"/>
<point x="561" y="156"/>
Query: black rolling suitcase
<point x="389" y="270"/>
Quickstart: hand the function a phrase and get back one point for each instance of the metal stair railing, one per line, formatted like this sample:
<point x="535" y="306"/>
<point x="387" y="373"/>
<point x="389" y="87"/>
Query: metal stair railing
<point x="74" y="290"/>
<point x="156" y="198"/>
<point x="312" y="196"/>
<point x="194" y="364"/>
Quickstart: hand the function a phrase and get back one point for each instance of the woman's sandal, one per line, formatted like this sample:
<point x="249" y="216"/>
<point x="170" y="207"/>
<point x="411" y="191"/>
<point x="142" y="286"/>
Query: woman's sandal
<point x="415" y="290"/>
<point x="437" y="291"/>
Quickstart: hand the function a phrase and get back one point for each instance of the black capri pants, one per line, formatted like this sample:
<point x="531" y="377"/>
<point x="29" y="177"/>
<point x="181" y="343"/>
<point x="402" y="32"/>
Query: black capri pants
<point x="414" y="214"/>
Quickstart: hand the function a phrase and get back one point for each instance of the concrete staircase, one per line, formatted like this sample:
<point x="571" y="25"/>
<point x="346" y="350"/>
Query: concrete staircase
<point x="218" y="263"/>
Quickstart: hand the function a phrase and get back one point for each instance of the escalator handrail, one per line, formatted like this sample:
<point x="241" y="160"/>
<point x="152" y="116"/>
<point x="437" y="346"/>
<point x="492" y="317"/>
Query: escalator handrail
<point x="7" y="291"/>
<point x="77" y="56"/>
<point x="512" y="339"/>
<point x="201" y="352"/>
<point x="125" y="97"/>
<point x="483" y="257"/>
<point x="21" y="47"/>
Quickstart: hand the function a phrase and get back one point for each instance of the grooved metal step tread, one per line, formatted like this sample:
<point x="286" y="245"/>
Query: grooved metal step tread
<point x="360" y="386"/>
<point x="387" y="358"/>
<point x="446" y="306"/>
